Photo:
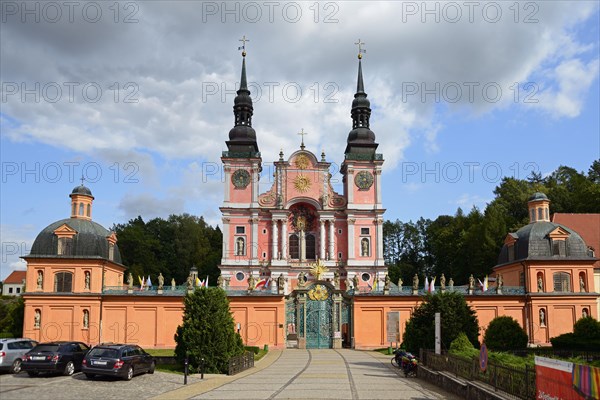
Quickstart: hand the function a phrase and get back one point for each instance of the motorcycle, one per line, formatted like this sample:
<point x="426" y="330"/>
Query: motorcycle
<point x="406" y="361"/>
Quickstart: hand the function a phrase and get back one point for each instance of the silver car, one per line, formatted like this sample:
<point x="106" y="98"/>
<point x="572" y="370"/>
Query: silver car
<point x="12" y="351"/>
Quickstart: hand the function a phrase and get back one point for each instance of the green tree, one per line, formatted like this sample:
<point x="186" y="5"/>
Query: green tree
<point x="456" y="317"/>
<point x="504" y="333"/>
<point x="11" y="316"/>
<point x="208" y="331"/>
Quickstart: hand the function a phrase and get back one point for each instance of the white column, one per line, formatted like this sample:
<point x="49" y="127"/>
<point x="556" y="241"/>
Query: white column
<point x="302" y="246"/>
<point x="332" y="239"/>
<point x="350" y="239"/>
<point x="379" y="240"/>
<point x="322" y="239"/>
<point x="225" y="238"/>
<point x="255" y="175"/>
<point x="227" y="183"/>
<point x="378" y="185"/>
<point x="275" y="240"/>
<point x="284" y="239"/>
<point x="350" y="185"/>
<point x="254" y="242"/>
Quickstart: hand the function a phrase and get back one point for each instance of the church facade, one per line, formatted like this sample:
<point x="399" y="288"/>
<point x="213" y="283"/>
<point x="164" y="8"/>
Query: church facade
<point x="302" y="265"/>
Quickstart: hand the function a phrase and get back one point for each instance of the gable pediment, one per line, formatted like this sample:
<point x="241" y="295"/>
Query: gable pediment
<point x="511" y="238"/>
<point x="65" y="231"/>
<point x="559" y="233"/>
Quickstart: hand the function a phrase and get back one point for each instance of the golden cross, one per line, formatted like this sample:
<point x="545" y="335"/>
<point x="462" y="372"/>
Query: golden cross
<point x="302" y="133"/>
<point x="243" y="48"/>
<point x="360" y="49"/>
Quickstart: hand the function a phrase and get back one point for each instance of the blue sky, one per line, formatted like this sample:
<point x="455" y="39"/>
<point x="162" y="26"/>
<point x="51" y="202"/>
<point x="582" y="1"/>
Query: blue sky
<point x="150" y="144"/>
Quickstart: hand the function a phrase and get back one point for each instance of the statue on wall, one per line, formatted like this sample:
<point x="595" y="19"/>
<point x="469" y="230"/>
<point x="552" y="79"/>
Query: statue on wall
<point x="400" y="285"/>
<point x="451" y="283"/>
<point x="471" y="282"/>
<point x="355" y="282"/>
<point x="581" y="284"/>
<point x="415" y="282"/>
<point x="173" y="284"/>
<point x="130" y="281"/>
<point x="499" y="282"/>
<point x="161" y="281"/>
<point x="87" y="280"/>
<point x="251" y="282"/>
<point x="584" y="313"/>
<point x="336" y="280"/>
<point x="40" y="280"/>
<point x="190" y="282"/>
<point x="86" y="319"/>
<point x="221" y="282"/>
<point x="240" y="247"/>
<point x="542" y="317"/>
<point x="540" y="284"/>
<point x="348" y="283"/>
<point x="386" y="283"/>
<point x="37" y="319"/>
<point x="281" y="284"/>
<point x="301" y="279"/>
<point x="443" y="282"/>
<point x="364" y="243"/>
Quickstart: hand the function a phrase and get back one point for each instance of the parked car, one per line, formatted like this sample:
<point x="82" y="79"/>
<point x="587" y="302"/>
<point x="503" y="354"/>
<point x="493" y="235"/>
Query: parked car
<point x="120" y="360"/>
<point x="58" y="357"/>
<point x="12" y="352"/>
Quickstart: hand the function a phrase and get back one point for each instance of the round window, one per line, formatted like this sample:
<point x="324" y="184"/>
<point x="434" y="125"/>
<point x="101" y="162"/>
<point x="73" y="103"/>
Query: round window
<point x="240" y="276"/>
<point x="366" y="277"/>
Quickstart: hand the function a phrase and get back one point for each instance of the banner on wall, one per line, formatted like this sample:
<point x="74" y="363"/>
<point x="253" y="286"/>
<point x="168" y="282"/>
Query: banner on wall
<point x="554" y="380"/>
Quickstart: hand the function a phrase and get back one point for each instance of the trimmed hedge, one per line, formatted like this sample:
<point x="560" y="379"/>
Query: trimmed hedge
<point x="252" y="349"/>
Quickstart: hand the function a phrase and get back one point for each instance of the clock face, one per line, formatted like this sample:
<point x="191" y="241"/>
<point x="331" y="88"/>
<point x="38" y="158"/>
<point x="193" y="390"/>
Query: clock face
<point x="364" y="180"/>
<point x="240" y="179"/>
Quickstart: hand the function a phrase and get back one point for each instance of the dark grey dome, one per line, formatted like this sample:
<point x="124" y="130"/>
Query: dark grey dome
<point x="242" y="133"/>
<point x="89" y="242"/>
<point x="538" y="196"/>
<point x="82" y="190"/>
<point x="533" y="243"/>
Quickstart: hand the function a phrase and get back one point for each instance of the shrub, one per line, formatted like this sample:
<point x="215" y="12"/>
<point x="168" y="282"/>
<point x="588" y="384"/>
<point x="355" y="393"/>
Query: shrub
<point x="456" y="317"/>
<point x="462" y="346"/>
<point x="585" y="336"/>
<point x="587" y="328"/>
<point x="252" y="349"/>
<point x="208" y="331"/>
<point x="505" y="333"/>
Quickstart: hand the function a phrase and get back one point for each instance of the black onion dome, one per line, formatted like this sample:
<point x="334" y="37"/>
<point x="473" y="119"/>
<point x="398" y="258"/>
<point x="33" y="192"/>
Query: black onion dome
<point x="82" y="190"/>
<point x="89" y="242"/>
<point x="242" y="137"/>
<point x="533" y="243"/>
<point x="361" y="139"/>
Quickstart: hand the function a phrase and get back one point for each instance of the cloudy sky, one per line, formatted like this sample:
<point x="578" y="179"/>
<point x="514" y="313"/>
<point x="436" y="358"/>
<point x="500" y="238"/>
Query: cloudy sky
<point x="137" y="97"/>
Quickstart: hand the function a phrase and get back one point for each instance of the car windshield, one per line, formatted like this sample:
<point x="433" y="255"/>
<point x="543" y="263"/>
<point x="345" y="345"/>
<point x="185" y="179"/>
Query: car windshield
<point x="46" y="348"/>
<point x="100" y="352"/>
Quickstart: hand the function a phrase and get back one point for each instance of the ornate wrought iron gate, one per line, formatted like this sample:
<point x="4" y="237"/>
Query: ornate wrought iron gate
<point x="319" y="312"/>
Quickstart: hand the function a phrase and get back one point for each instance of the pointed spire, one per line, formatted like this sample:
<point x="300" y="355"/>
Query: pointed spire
<point x="242" y="137"/>
<point x="361" y="139"/>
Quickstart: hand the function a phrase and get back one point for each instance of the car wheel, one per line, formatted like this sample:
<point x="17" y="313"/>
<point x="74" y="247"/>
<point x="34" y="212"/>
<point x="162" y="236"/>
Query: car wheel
<point x="90" y="376"/>
<point x="33" y="373"/>
<point x="129" y="373"/>
<point x="16" y="366"/>
<point x="69" y="369"/>
<point x="152" y="368"/>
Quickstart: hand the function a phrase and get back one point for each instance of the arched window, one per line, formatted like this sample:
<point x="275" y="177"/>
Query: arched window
<point x="74" y="211"/>
<point x="540" y="214"/>
<point x="89" y="210"/>
<point x="562" y="282"/>
<point x="111" y="251"/>
<point x="547" y="214"/>
<point x="533" y="215"/>
<point x="80" y="208"/>
<point x="294" y="247"/>
<point x="310" y="247"/>
<point x="63" y="282"/>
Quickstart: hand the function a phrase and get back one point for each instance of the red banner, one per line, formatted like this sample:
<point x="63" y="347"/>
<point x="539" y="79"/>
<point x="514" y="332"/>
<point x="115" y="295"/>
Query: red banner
<point x="554" y="380"/>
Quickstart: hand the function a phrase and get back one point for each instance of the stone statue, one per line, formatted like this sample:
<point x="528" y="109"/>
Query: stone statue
<point x="173" y="284"/>
<point x="40" y="280"/>
<point x="415" y="282"/>
<point x="281" y="284"/>
<point x="386" y="283"/>
<point x="451" y="283"/>
<point x="240" y="247"/>
<point x="221" y="282"/>
<point x="86" y="319"/>
<point x="499" y="282"/>
<point x="301" y="279"/>
<point x="161" y="281"/>
<point x="190" y="282"/>
<point x="37" y="319"/>
<point x="581" y="284"/>
<point x="400" y="285"/>
<point x="355" y="282"/>
<point x="365" y="247"/>
<point x="130" y="281"/>
<point x="584" y="313"/>
<point x="443" y="282"/>
<point x="471" y="282"/>
<point x="251" y="282"/>
<point x="542" y="317"/>
<point x="540" y="284"/>
<point x="87" y="280"/>
<point x="336" y="280"/>
<point x="348" y="283"/>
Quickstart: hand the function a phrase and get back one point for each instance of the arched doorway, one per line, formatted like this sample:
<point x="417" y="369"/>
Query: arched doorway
<point x="319" y="327"/>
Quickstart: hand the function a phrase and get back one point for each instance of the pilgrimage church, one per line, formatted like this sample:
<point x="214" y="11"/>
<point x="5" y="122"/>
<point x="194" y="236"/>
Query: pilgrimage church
<point x="302" y="265"/>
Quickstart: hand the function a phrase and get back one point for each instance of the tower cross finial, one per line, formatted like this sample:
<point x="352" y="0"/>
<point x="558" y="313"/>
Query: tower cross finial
<point x="82" y="179"/>
<point x="243" y="46"/>
<point x="361" y="51"/>
<point x="302" y="133"/>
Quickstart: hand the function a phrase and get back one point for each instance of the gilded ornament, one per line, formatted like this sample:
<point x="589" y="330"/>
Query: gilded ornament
<point x="318" y="293"/>
<point x="302" y="161"/>
<point x="302" y="183"/>
<point x="318" y="269"/>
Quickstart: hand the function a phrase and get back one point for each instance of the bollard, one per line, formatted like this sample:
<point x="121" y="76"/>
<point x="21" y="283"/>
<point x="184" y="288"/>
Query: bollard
<point x="202" y="368"/>
<point x="186" y="367"/>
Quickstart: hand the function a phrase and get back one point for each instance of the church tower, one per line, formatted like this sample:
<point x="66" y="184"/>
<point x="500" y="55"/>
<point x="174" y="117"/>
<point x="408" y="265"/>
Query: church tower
<point x="361" y="172"/>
